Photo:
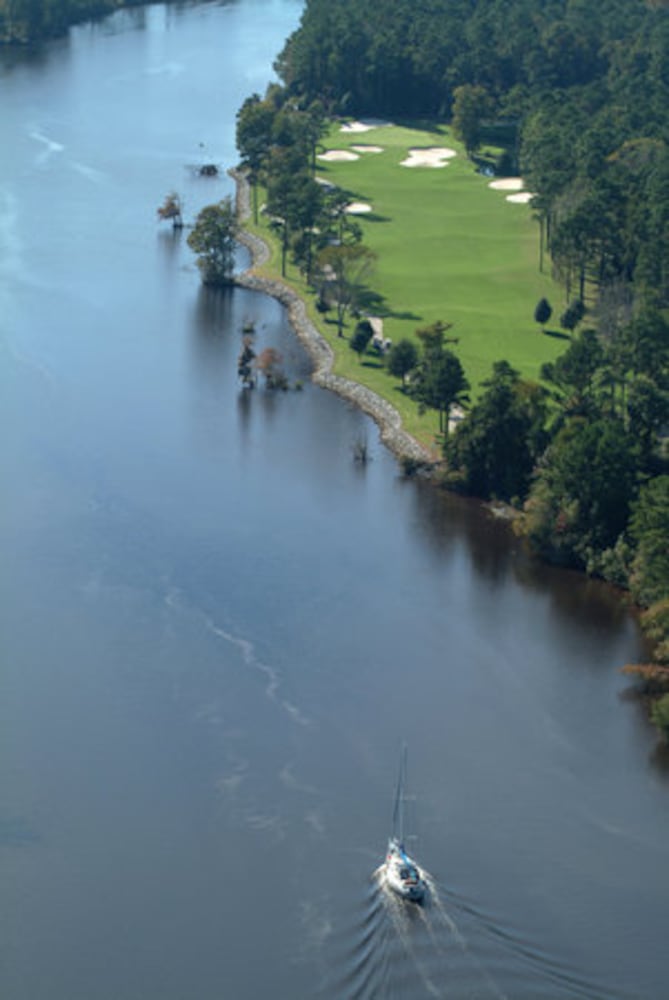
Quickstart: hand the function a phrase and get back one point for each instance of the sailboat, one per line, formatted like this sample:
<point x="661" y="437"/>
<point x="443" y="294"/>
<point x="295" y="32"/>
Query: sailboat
<point x="402" y="873"/>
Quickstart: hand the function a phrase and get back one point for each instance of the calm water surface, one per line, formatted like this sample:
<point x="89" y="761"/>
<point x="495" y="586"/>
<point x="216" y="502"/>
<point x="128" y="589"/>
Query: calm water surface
<point x="217" y="629"/>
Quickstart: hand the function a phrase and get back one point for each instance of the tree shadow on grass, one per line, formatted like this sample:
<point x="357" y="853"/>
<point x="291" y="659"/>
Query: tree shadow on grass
<point x="558" y="334"/>
<point x="422" y="125"/>
<point x="405" y="315"/>
<point x="374" y="304"/>
<point x="376" y="217"/>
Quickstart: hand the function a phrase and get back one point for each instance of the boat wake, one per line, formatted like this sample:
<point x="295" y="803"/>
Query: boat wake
<point x="269" y="675"/>
<point x="405" y="950"/>
<point x="433" y="941"/>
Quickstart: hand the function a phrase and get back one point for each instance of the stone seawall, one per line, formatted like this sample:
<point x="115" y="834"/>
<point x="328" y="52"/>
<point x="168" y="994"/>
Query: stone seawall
<point x="387" y="418"/>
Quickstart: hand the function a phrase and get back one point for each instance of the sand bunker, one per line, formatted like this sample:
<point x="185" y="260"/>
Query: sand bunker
<point x="521" y="198"/>
<point x="435" y="156"/>
<point x="367" y="149"/>
<point x="365" y="125"/>
<point x="507" y="184"/>
<point x="358" y="208"/>
<point x="333" y="155"/>
<point x="325" y="183"/>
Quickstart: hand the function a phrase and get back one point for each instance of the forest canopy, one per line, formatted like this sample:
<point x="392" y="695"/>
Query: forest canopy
<point x="576" y="97"/>
<point x="578" y="92"/>
<point x="23" y="21"/>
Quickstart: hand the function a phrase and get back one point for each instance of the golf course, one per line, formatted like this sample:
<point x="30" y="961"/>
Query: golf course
<point x="449" y="246"/>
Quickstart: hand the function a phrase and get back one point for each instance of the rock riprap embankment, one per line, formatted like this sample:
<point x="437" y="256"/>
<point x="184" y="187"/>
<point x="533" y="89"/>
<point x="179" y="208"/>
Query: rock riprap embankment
<point x="386" y="416"/>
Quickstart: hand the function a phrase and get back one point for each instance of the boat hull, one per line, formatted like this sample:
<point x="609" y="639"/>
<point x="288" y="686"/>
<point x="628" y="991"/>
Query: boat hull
<point x="403" y="875"/>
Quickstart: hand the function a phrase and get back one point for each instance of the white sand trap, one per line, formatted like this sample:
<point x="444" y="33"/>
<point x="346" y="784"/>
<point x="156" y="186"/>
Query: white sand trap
<point x="325" y="183"/>
<point x="367" y="149"/>
<point x="507" y="184"/>
<point x="435" y="156"/>
<point x="334" y="155"/>
<point x="366" y="125"/>
<point x="521" y="198"/>
<point x="337" y="155"/>
<point x="358" y="208"/>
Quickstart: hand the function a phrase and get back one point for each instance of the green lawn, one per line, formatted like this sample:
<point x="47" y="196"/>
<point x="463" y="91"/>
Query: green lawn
<point x="449" y="248"/>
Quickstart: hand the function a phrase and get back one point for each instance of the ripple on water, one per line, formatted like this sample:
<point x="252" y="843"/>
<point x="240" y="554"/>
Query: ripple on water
<point x="443" y="947"/>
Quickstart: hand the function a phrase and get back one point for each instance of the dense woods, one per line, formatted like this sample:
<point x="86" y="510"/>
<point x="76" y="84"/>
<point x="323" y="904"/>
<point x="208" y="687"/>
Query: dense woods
<point x="23" y="21"/>
<point x="580" y="93"/>
<point x="575" y="97"/>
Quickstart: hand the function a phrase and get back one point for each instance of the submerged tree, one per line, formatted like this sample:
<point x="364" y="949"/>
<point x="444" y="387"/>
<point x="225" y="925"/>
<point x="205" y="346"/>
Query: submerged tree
<point x="213" y="240"/>
<point x="245" y="368"/>
<point x="268" y="364"/>
<point x="171" y="210"/>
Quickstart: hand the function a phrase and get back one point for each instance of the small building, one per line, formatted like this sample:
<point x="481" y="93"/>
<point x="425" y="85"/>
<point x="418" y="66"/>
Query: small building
<point x="380" y="343"/>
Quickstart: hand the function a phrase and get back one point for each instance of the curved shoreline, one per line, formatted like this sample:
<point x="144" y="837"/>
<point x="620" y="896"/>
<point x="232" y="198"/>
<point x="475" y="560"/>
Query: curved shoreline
<point x="387" y="418"/>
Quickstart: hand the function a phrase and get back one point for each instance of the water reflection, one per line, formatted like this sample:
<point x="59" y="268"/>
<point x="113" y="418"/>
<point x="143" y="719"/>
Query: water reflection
<point x="659" y="758"/>
<point x="170" y="246"/>
<point x="213" y="311"/>
<point x="213" y="337"/>
<point x="498" y="555"/>
<point x="445" y="519"/>
<point x="244" y="412"/>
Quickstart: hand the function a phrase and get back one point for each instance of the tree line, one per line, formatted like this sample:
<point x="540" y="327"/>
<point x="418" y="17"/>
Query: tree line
<point x="578" y="93"/>
<point x="24" y="21"/>
<point x="577" y="96"/>
<point x="277" y="138"/>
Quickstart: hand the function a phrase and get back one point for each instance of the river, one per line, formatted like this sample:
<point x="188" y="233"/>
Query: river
<point x="218" y="629"/>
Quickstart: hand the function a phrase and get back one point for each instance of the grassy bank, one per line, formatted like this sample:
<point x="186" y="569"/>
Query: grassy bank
<point x="449" y="248"/>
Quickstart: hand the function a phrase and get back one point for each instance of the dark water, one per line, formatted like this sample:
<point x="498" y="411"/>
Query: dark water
<point x="217" y="629"/>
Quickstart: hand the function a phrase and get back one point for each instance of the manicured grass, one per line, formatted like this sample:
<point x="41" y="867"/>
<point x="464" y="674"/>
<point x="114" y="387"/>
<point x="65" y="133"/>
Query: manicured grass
<point x="449" y="248"/>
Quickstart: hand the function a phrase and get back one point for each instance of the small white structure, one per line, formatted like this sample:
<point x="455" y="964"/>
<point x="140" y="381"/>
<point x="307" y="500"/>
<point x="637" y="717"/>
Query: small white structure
<point x="380" y="343"/>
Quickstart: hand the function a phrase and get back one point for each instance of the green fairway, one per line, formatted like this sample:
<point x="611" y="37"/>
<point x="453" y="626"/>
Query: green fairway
<point x="449" y="248"/>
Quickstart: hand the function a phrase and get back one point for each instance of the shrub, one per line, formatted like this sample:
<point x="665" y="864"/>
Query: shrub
<point x="659" y="713"/>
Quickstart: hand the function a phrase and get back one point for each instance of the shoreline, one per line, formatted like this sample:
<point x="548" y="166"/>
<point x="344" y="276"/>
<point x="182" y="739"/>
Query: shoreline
<point x="402" y="445"/>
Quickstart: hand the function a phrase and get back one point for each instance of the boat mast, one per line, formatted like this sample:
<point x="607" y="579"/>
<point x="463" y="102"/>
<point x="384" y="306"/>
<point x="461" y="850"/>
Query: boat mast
<point x="398" y="812"/>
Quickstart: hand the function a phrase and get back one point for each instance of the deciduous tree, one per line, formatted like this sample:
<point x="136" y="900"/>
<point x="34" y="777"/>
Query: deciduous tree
<point x="543" y="312"/>
<point x="254" y="139"/>
<point x="171" y="209"/>
<point x="346" y="270"/>
<point x="649" y="529"/>
<point x="471" y="105"/>
<point x="269" y="364"/>
<point x="580" y="500"/>
<point x="402" y="358"/>
<point x="362" y="335"/>
<point x="498" y="443"/>
<point x="213" y="240"/>
<point x="440" y="384"/>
